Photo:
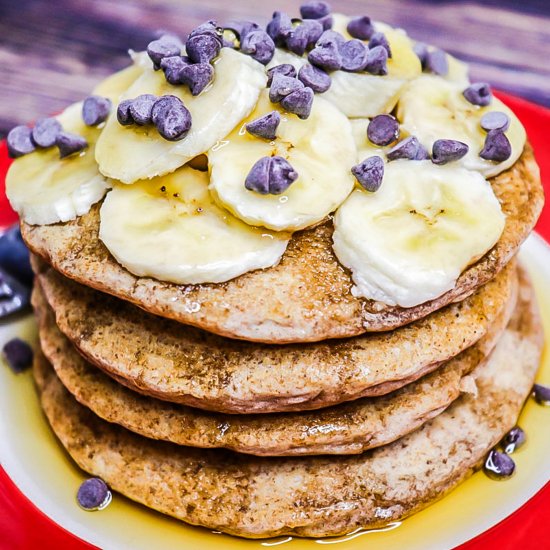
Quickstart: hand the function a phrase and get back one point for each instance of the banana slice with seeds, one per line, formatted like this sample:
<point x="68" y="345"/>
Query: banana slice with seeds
<point x="321" y="151"/>
<point x="169" y="228"/>
<point x="130" y="153"/>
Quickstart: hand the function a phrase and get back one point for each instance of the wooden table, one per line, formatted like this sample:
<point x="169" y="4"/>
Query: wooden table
<point x="52" y="52"/>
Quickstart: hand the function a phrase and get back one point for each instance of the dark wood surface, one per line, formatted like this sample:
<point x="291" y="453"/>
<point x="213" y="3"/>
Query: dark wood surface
<point x="52" y="52"/>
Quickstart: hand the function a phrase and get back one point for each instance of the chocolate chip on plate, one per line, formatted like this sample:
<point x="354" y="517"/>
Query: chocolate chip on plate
<point x="197" y="76"/>
<point x="282" y="85"/>
<point x="95" y="110"/>
<point x="141" y="107"/>
<point x="202" y="48"/>
<point x="478" y="93"/>
<point x="299" y="102"/>
<point x="448" y="150"/>
<point x="173" y="66"/>
<point x="377" y="61"/>
<point x="93" y="494"/>
<point x="123" y="113"/>
<point x="314" y="10"/>
<point x="45" y="131"/>
<point x="171" y="118"/>
<point x="499" y="465"/>
<point x="285" y="69"/>
<point x="304" y="36"/>
<point x="18" y="355"/>
<point x="408" y="148"/>
<point x="513" y="440"/>
<point x="279" y="27"/>
<point x="541" y="394"/>
<point x="265" y="126"/>
<point x="379" y="39"/>
<point x="270" y="176"/>
<point x="165" y="46"/>
<point x="259" y="45"/>
<point x="495" y="120"/>
<point x="497" y="147"/>
<point x="326" y="55"/>
<point x="383" y="130"/>
<point x="361" y="27"/>
<point x="436" y="62"/>
<point x="354" y="55"/>
<point x="20" y="141"/>
<point x="313" y="77"/>
<point x="369" y="173"/>
<point x="69" y="143"/>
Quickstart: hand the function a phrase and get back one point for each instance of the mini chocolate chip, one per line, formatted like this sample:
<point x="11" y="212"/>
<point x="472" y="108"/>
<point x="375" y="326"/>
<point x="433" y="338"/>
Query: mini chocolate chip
<point x="141" y="107"/>
<point x="304" y="36"/>
<point x="448" y="150"/>
<point x="265" y="126"/>
<point x="45" y="132"/>
<point x="20" y="141"/>
<point x="313" y="77"/>
<point x="422" y="153"/>
<point x="436" y="62"/>
<point x="209" y="28"/>
<point x="377" y="61"/>
<point x="299" y="102"/>
<point x="171" y="117"/>
<point x="421" y="51"/>
<point x="497" y="147"/>
<point x="197" y="77"/>
<point x="495" y="120"/>
<point x="383" y="130"/>
<point x="173" y="66"/>
<point x="95" y="110"/>
<point x="270" y="176"/>
<point x="279" y="28"/>
<point x="259" y="45"/>
<point x="314" y="10"/>
<point x="379" y="39"/>
<point x="326" y="56"/>
<point x="541" y="394"/>
<point x="479" y="93"/>
<point x="407" y="148"/>
<point x="331" y="37"/>
<point x="499" y="465"/>
<point x="123" y="113"/>
<point x="513" y="440"/>
<point x="361" y="27"/>
<point x="163" y="47"/>
<point x="281" y="86"/>
<point x="369" y="173"/>
<point x="285" y="69"/>
<point x="326" y="22"/>
<point x="242" y="27"/>
<point x="69" y="144"/>
<point x="354" y="55"/>
<point x="93" y="494"/>
<point x="18" y="355"/>
<point x="202" y="48"/>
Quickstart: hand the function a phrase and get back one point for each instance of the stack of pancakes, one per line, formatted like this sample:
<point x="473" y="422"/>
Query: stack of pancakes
<point x="278" y="402"/>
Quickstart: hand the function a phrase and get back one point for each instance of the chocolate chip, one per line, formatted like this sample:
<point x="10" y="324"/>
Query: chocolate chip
<point x="202" y="48"/>
<point x="209" y="28"/>
<point x="314" y="10"/>
<point x="270" y="176"/>
<point x="497" y="147"/>
<point x="45" y="132"/>
<point x="14" y="258"/>
<point x="379" y="39"/>
<point x="14" y="294"/>
<point x="361" y="27"/>
<point x="326" y="56"/>
<point x="513" y="440"/>
<point x="285" y="69"/>
<point x="242" y="27"/>
<point x="197" y="77"/>
<point x="259" y="45"/>
<point x="448" y="150"/>
<point x="299" y="102"/>
<point x="265" y="126"/>
<point x="171" y="117"/>
<point x="173" y="66"/>
<point x="327" y="22"/>
<point x="93" y="494"/>
<point x="313" y="77"/>
<point x="141" y="107"/>
<point x="369" y="173"/>
<point x="436" y="62"/>
<point x="495" y="120"/>
<point x="19" y="141"/>
<point x="499" y="465"/>
<point x="354" y="55"/>
<point x="541" y="394"/>
<point x="69" y="144"/>
<point x="281" y="86"/>
<point x="421" y="51"/>
<point x="479" y="93"/>
<point x="95" y="110"/>
<point x="331" y="37"/>
<point x="377" y="61"/>
<point x="279" y="28"/>
<point x="422" y="153"/>
<point x="18" y="355"/>
<point x="304" y="36"/>
<point x="408" y="148"/>
<point x="165" y="46"/>
<point x="123" y="113"/>
<point x="383" y="130"/>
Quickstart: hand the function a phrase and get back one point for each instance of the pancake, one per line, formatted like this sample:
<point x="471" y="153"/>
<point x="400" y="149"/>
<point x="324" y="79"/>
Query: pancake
<point x="181" y="364"/>
<point x="308" y="496"/>
<point x="306" y="297"/>
<point x="350" y="428"/>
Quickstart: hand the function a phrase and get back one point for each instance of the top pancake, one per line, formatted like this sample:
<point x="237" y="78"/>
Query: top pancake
<point x="305" y="298"/>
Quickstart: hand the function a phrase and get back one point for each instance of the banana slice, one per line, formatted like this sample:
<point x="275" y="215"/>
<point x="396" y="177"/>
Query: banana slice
<point x="130" y="153"/>
<point x="44" y="189"/>
<point x="320" y="149"/>
<point x="169" y="228"/>
<point x="116" y="84"/>
<point x="408" y="242"/>
<point x="432" y="108"/>
<point x="364" y="147"/>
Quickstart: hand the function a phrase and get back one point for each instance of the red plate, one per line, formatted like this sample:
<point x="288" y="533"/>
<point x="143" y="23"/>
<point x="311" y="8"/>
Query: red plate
<point x="24" y="527"/>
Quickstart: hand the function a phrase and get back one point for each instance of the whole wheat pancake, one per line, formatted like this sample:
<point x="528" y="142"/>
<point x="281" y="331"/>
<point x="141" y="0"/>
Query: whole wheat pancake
<point x="306" y="297"/>
<point x="344" y="429"/>
<point x="177" y="363"/>
<point x="308" y="496"/>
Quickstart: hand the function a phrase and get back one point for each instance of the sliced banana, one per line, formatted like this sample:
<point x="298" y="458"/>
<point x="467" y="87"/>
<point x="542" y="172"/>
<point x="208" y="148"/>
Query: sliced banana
<point x="131" y="153"/>
<point x="169" y="228"/>
<point x="320" y="149"/>
<point x="44" y="189"/>
<point x="365" y="148"/>
<point x="432" y="108"/>
<point x="408" y="242"/>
